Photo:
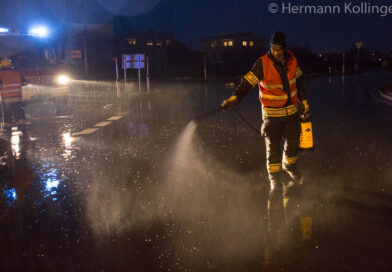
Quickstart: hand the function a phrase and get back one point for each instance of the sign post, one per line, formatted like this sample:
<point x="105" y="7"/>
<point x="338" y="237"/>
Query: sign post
<point x="138" y="66"/>
<point x="126" y="65"/>
<point x="148" y="74"/>
<point x="135" y="61"/>
<point x="116" y="61"/>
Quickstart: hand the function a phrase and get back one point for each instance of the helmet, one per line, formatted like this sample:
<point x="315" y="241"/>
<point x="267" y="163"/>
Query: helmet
<point x="5" y="63"/>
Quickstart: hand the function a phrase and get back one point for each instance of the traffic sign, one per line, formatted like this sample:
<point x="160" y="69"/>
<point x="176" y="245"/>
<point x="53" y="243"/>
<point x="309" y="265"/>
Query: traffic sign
<point x="76" y="54"/>
<point x="134" y="61"/>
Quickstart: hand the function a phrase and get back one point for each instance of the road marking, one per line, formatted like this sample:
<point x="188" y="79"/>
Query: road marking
<point x="114" y="118"/>
<point x="102" y="124"/>
<point x="86" y="131"/>
<point x="64" y="116"/>
<point x="97" y="126"/>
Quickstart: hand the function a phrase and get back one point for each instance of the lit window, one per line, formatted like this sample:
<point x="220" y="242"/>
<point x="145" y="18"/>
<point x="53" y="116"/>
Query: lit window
<point x="159" y="43"/>
<point x="168" y="42"/>
<point x="244" y="43"/>
<point x="212" y="44"/>
<point x="228" y="43"/>
<point x="150" y="43"/>
<point x="132" y="41"/>
<point x="251" y="43"/>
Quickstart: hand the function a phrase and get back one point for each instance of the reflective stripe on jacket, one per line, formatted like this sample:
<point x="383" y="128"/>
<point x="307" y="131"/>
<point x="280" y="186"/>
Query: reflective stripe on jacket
<point x="11" y="87"/>
<point x="271" y="91"/>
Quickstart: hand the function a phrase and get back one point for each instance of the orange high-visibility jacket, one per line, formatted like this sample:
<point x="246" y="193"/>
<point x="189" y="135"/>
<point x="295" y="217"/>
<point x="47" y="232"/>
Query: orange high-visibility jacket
<point x="271" y="93"/>
<point x="11" y="86"/>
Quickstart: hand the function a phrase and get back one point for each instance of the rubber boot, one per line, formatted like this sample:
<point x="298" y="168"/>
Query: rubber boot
<point x="295" y="175"/>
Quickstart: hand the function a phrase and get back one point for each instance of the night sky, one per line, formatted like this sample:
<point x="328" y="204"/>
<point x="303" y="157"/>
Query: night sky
<point x="191" y="19"/>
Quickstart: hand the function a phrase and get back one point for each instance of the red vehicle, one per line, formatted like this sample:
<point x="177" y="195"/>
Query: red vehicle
<point x="35" y="57"/>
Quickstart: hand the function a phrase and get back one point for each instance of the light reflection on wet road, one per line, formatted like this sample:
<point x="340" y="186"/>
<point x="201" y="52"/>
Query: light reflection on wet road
<point x="115" y="180"/>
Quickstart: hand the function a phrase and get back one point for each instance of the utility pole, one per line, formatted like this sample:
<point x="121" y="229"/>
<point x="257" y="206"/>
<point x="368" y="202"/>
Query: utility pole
<point x="85" y="50"/>
<point x="116" y="61"/>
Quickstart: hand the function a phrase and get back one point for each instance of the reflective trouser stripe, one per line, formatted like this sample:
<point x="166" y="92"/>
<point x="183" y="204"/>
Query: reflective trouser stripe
<point x="290" y="160"/>
<point x="274" y="167"/>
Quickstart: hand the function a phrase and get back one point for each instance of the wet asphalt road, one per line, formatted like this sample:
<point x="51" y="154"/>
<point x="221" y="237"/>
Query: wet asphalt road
<point x="117" y="180"/>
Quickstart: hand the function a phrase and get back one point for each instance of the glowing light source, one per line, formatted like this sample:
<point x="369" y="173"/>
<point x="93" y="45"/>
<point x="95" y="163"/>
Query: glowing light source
<point x="39" y="31"/>
<point x="4" y="30"/>
<point x="15" y="144"/>
<point x="11" y="194"/>
<point x="51" y="184"/>
<point x="67" y="139"/>
<point x="62" y="79"/>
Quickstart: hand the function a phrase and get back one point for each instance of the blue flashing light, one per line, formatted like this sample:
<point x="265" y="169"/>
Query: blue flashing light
<point x="4" y="30"/>
<point x="39" y="31"/>
<point x="10" y="194"/>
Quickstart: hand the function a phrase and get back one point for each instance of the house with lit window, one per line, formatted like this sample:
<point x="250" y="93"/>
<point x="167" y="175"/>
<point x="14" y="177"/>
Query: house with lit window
<point x="149" y="40"/>
<point x="167" y="56"/>
<point x="233" y="54"/>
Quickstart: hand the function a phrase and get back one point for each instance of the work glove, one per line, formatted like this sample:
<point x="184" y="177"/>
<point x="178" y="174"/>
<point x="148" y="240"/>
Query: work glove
<point x="230" y="102"/>
<point x="303" y="106"/>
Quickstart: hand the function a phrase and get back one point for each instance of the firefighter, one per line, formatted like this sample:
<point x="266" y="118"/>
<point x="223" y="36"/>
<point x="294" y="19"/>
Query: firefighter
<point x="283" y="98"/>
<point x="11" y="82"/>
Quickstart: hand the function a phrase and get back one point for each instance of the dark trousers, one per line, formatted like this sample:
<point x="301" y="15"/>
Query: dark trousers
<point x="13" y="111"/>
<point x="281" y="137"/>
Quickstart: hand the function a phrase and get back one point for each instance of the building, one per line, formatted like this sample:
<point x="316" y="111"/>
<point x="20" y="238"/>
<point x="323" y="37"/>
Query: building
<point x="143" y="41"/>
<point x="233" y="54"/>
<point x="87" y="49"/>
<point x="167" y="56"/>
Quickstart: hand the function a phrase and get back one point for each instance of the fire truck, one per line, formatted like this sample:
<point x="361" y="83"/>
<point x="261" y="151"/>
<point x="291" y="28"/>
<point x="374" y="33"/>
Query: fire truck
<point x="38" y="59"/>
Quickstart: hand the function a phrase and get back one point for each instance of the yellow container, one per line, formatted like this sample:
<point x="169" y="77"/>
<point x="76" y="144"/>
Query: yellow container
<point x="306" y="136"/>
